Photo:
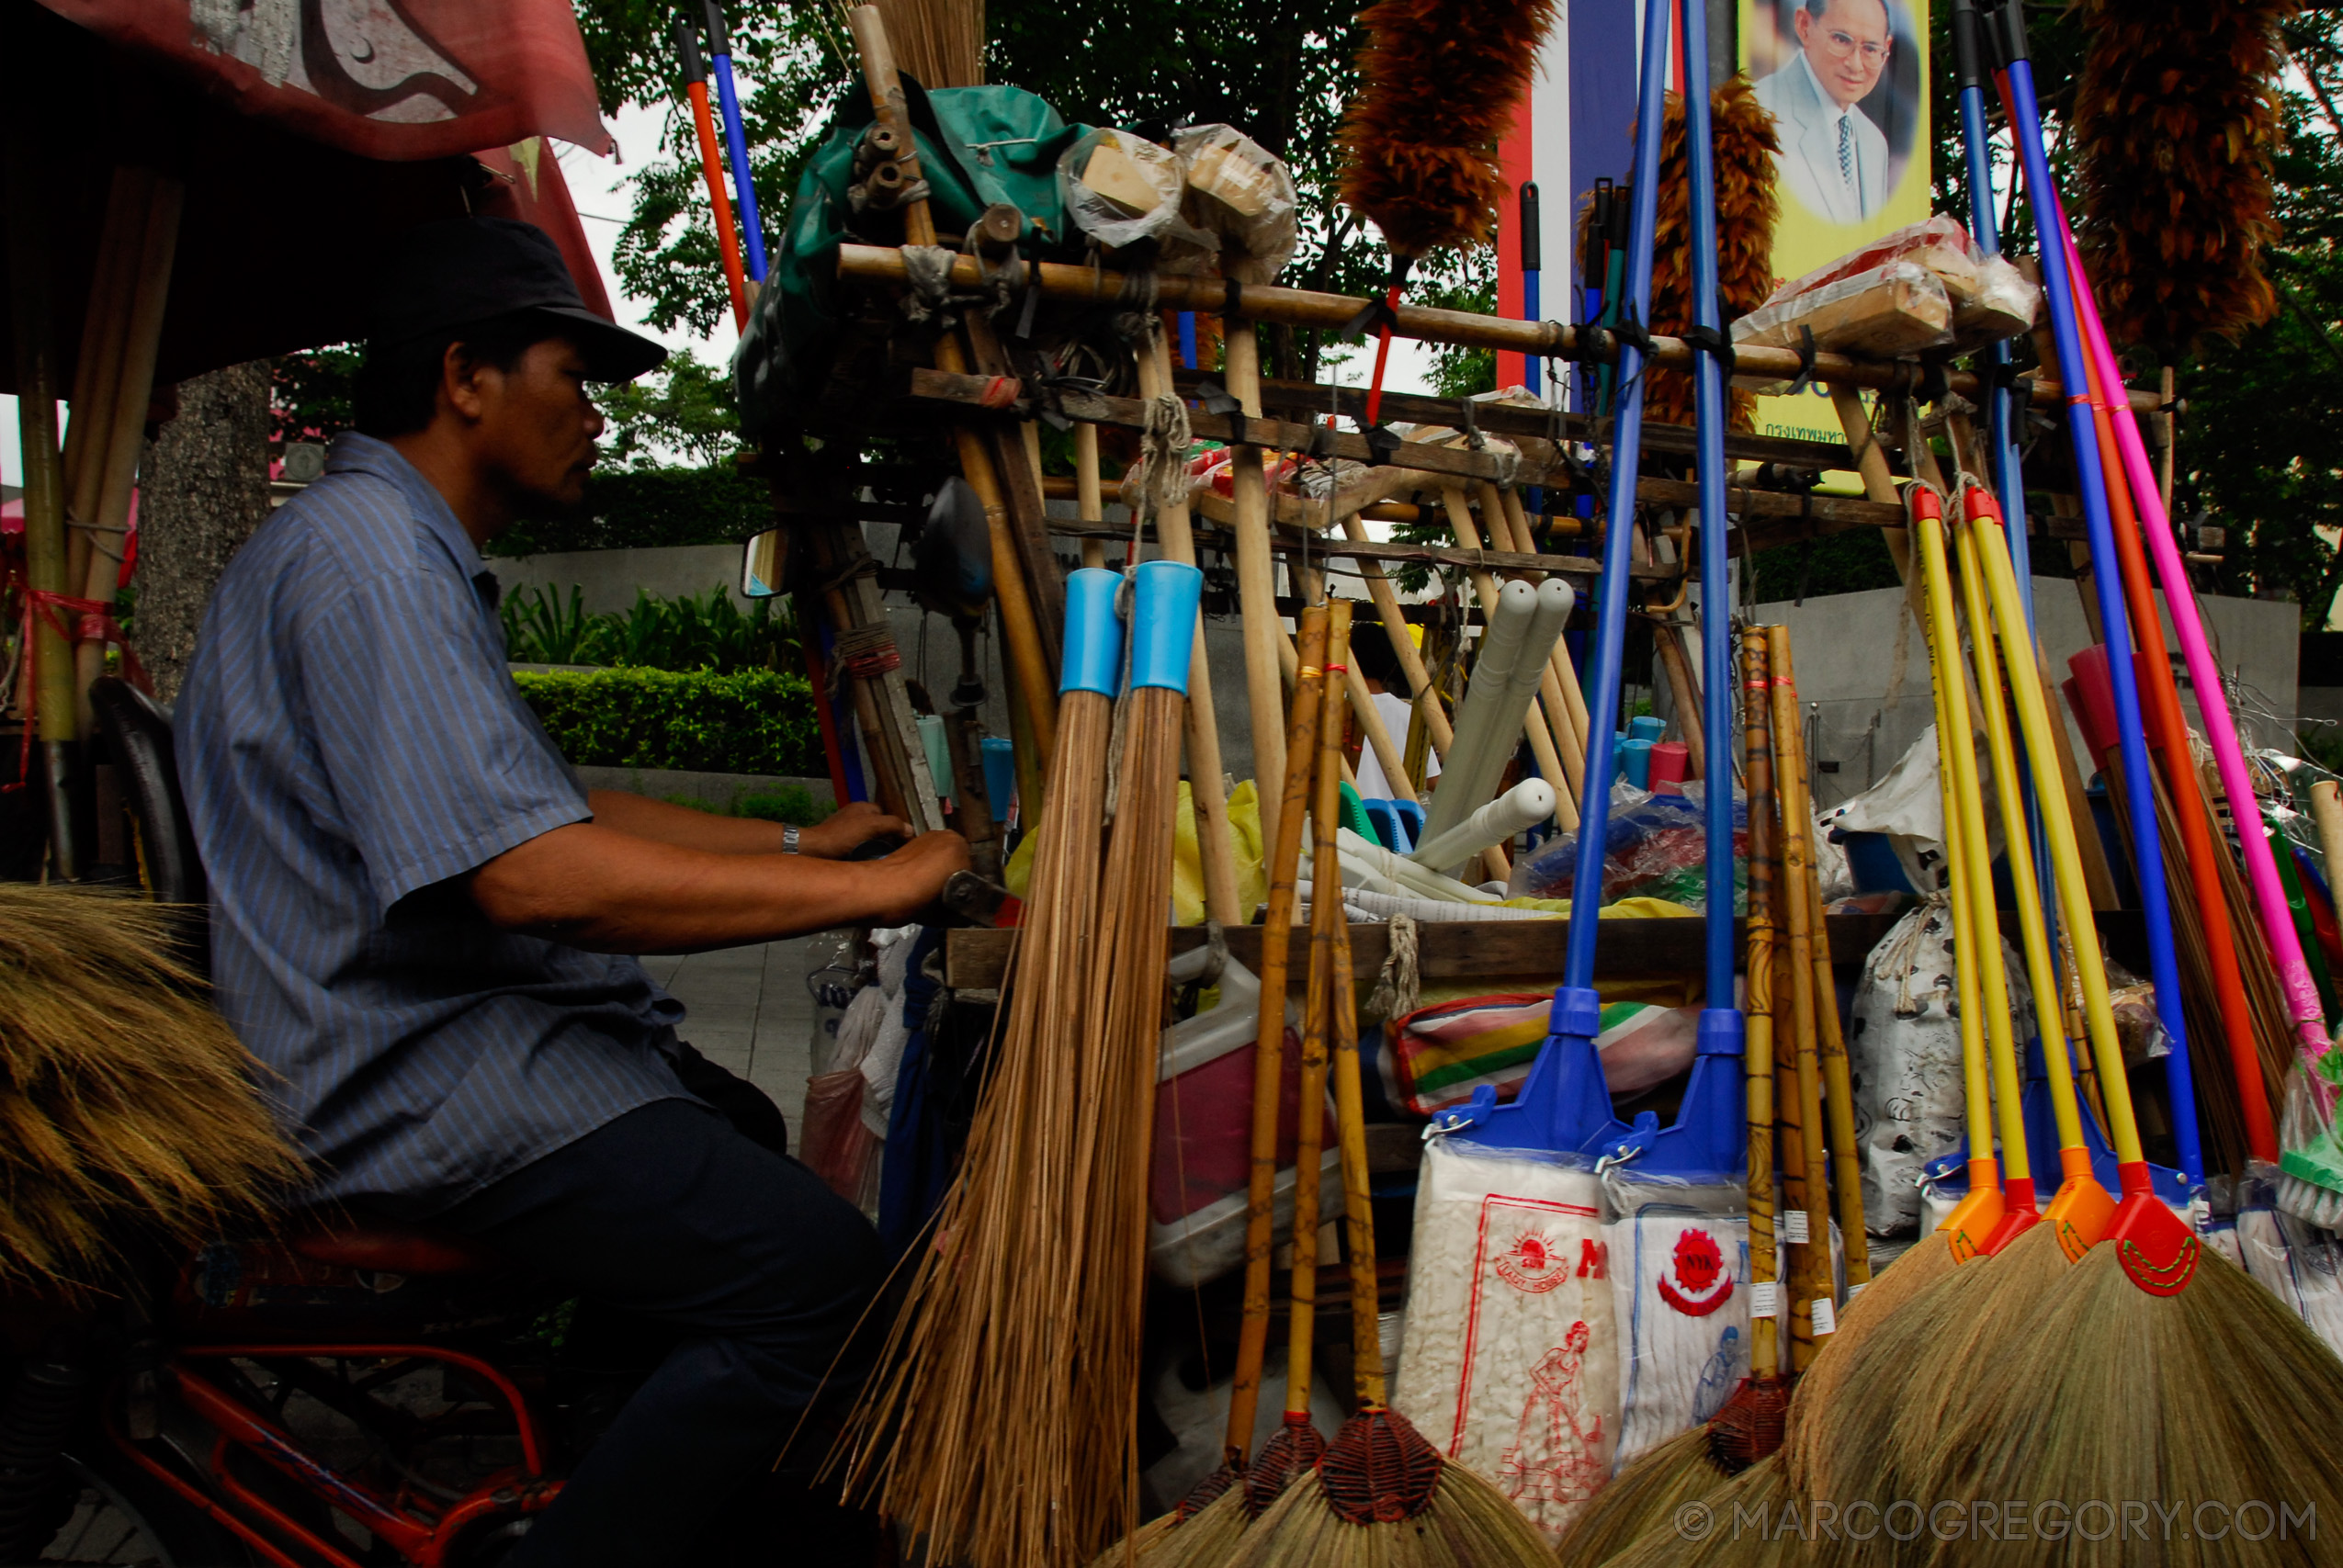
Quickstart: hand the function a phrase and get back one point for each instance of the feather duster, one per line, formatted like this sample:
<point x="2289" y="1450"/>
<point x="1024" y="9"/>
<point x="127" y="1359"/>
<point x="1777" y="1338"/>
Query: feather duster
<point x="1440" y="79"/>
<point x="126" y="1106"/>
<point x="2176" y="117"/>
<point x="1746" y="212"/>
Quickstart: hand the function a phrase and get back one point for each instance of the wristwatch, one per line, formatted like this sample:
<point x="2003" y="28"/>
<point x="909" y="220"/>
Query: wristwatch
<point x="788" y="838"/>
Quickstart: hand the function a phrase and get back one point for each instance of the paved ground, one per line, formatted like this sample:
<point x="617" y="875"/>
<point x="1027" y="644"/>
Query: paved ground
<point x="750" y="1013"/>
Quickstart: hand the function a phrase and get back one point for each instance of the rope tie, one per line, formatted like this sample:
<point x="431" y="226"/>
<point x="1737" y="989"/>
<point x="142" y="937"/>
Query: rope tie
<point x="928" y="268"/>
<point x="90" y="621"/>
<point x="1398" y="984"/>
<point x="867" y="652"/>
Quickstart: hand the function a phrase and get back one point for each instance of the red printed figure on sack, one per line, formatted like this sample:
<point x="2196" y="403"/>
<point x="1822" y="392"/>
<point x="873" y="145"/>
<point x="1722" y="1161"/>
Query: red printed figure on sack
<point x="1556" y="1454"/>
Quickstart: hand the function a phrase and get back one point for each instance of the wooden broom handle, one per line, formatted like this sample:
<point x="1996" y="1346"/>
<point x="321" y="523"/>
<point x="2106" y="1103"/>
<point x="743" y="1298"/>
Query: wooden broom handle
<point x="1019" y="630"/>
<point x="1269" y="1052"/>
<point x="1403" y="647"/>
<point x="1765" y="1349"/>
<point x="1797" y="846"/>
<point x="1265" y="645"/>
<point x="1349" y="1106"/>
<point x="1318" y="1023"/>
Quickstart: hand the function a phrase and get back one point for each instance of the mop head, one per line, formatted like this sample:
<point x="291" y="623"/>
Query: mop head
<point x="2176" y="119"/>
<point x="1746" y="145"/>
<point x="1439" y="82"/>
<point x="127" y="1104"/>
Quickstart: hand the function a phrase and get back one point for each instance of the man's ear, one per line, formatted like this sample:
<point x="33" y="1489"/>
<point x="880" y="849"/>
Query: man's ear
<point x="459" y="380"/>
<point x="1803" y="24"/>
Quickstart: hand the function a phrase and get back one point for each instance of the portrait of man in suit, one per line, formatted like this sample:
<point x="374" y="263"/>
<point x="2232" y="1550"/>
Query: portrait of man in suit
<point x="1834" y="157"/>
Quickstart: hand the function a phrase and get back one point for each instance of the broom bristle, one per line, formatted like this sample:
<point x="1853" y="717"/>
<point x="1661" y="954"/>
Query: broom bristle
<point x="1720" y="1530"/>
<point x="1439" y="81"/>
<point x="1204" y="1539"/>
<point x="1645" y="1494"/>
<point x="1845" y="1402"/>
<point x="129" y="1103"/>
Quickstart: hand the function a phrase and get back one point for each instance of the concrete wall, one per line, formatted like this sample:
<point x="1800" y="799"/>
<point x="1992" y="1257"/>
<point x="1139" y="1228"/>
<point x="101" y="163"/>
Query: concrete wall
<point x="611" y="577"/>
<point x="1864" y="673"/>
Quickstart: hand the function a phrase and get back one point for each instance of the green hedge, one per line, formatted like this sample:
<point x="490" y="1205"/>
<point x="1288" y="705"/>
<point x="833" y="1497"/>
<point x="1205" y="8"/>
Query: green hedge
<point x="755" y="721"/>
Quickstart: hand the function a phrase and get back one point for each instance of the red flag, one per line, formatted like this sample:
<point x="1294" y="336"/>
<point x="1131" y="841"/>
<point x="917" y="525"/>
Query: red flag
<point x="390" y="79"/>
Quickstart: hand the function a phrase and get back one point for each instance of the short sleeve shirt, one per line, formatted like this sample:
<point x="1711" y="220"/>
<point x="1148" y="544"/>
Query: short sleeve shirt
<point x="349" y="739"/>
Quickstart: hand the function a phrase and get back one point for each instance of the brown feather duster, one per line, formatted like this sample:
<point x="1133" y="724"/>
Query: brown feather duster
<point x="2176" y="117"/>
<point x="1746" y="212"/>
<point x="125" y="1103"/>
<point x="1440" y="79"/>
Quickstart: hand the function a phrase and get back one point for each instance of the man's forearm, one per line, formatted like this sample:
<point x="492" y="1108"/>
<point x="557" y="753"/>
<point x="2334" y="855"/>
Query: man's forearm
<point x="594" y="886"/>
<point x="641" y="817"/>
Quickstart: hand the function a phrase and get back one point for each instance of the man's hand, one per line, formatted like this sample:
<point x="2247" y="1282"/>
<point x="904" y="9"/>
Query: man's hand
<point x="854" y="825"/>
<point x="920" y="868"/>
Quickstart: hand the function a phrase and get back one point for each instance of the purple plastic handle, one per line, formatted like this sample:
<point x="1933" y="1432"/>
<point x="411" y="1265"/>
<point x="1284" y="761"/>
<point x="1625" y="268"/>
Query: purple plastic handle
<point x="2204" y="674"/>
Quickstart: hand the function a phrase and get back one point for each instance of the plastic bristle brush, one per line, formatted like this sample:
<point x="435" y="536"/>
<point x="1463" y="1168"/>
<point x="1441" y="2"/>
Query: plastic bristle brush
<point x="1439" y="81"/>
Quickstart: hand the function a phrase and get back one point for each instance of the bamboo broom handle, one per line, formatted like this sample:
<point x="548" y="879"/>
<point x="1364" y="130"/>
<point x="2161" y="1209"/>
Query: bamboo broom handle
<point x="50" y="658"/>
<point x="1790" y="787"/>
<point x="1266" y="649"/>
<point x="2326" y="811"/>
<point x="1216" y="846"/>
<point x="1027" y="666"/>
<point x="1533" y="723"/>
<point x="1403" y="647"/>
<point x="1564" y="673"/>
<point x="1090" y="495"/>
<point x="1350" y="1108"/>
<point x="1839" y="1089"/>
<point x="1765" y="1347"/>
<point x="1318" y="1020"/>
<point x="1261" y="1191"/>
<point x="1567" y="727"/>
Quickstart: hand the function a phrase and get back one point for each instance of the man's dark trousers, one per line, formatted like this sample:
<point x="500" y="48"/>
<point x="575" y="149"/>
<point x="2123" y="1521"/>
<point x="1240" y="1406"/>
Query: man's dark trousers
<point x="672" y="1214"/>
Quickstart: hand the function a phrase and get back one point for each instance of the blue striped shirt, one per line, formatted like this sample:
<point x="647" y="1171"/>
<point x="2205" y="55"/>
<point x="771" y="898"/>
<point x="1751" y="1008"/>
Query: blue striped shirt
<point x="349" y="739"/>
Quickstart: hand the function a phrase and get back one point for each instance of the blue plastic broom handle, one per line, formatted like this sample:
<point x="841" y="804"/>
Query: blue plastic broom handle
<point x="2114" y="616"/>
<point x="736" y="141"/>
<point x="1163" y="622"/>
<point x="1093" y="661"/>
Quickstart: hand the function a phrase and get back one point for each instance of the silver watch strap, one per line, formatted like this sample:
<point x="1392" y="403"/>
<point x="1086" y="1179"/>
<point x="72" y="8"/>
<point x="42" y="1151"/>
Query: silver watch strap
<point x="788" y="838"/>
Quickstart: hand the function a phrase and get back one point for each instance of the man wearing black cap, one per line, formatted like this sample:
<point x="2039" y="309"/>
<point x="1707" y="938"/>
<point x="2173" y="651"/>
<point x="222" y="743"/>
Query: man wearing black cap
<point x="419" y="916"/>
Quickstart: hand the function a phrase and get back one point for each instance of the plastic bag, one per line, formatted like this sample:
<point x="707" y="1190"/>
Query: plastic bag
<point x="1654" y="847"/>
<point x="1439" y="1055"/>
<point x="1240" y="191"/>
<point x="1120" y="189"/>
<point x="2299" y="1263"/>
<point x="1904" y="1050"/>
<point x="1680" y="1267"/>
<point x="1511" y="1362"/>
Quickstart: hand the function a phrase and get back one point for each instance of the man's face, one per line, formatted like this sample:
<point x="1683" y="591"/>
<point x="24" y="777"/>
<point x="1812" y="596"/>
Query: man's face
<point x="1847" y="46"/>
<point x="536" y="425"/>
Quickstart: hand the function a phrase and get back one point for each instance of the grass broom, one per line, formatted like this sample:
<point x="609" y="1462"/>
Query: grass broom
<point x="1209" y="1521"/>
<point x="129" y="1108"/>
<point x="1382" y="1493"/>
<point x="1122" y="1028"/>
<point x="969" y="1437"/>
<point x="1646" y="1494"/>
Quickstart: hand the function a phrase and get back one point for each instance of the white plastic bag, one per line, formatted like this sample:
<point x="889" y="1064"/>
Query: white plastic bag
<point x="1904" y="1050"/>
<point x="1511" y="1362"/>
<point x="1240" y="191"/>
<point x="1122" y="188"/>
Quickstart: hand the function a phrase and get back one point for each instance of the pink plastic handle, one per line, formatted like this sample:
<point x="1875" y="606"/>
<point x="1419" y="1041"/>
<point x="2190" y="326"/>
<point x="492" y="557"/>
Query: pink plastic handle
<point x="2179" y="596"/>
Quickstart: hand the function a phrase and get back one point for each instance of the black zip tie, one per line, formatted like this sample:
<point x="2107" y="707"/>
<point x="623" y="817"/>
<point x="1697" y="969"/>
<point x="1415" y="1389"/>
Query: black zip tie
<point x="1712" y="341"/>
<point x="1806" y="361"/>
<point x="1214" y="398"/>
<point x="1383" y="445"/>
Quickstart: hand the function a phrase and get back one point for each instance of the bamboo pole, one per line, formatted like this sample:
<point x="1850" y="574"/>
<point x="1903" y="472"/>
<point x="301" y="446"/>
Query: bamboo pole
<point x="44" y="498"/>
<point x="1757" y="367"/>
<point x="125" y="429"/>
<point x="1267" y="653"/>
<point x="1403" y="647"/>
<point x="1090" y="495"/>
<point x="98" y="365"/>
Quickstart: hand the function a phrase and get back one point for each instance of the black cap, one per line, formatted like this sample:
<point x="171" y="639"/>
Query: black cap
<point x="467" y="270"/>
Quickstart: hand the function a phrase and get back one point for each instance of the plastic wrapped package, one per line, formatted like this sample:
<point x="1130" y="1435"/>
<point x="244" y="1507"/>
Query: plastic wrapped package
<point x="1511" y="1362"/>
<point x="1890" y="311"/>
<point x="833" y="1139"/>
<point x="1937" y="243"/>
<point x="2299" y="1263"/>
<point x="2003" y="304"/>
<point x="1120" y="190"/>
<point x="1654" y="847"/>
<point x="1680" y="1267"/>
<point x="1240" y="191"/>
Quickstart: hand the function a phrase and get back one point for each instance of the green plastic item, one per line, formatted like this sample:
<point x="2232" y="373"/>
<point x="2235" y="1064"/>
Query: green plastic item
<point x="977" y="146"/>
<point x="2298" y="903"/>
<point x="1355" y="817"/>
